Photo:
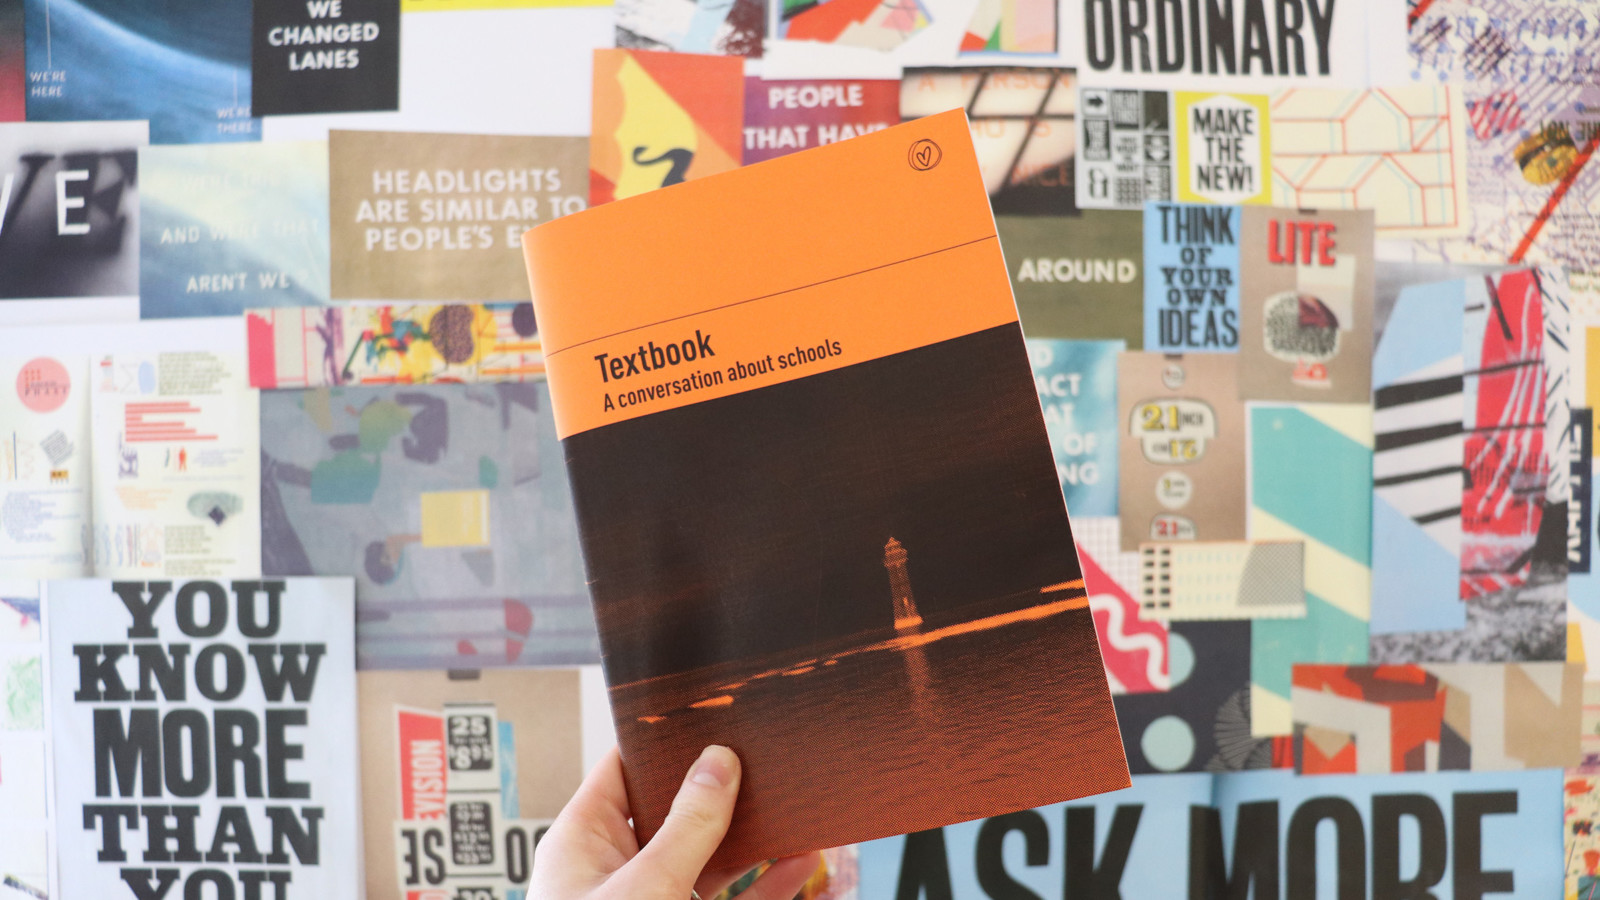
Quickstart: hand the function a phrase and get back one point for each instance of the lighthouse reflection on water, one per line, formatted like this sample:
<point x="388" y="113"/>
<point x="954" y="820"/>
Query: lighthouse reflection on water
<point x="908" y="622"/>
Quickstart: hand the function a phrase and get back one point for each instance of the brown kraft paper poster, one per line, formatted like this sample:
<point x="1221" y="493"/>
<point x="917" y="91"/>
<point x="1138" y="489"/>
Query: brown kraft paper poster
<point x="1181" y="456"/>
<point x="1305" y="298"/>
<point x="441" y="216"/>
<point x="542" y="708"/>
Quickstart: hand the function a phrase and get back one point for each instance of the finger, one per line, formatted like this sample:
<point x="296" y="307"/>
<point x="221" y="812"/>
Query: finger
<point x="593" y="827"/>
<point x="784" y="879"/>
<point x="695" y="825"/>
<point x="715" y="881"/>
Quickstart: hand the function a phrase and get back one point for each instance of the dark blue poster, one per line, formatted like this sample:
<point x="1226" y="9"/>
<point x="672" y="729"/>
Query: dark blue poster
<point x="182" y="64"/>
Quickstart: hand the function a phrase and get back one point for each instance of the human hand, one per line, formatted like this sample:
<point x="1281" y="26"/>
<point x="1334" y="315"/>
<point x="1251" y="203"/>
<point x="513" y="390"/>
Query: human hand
<point x="591" y="852"/>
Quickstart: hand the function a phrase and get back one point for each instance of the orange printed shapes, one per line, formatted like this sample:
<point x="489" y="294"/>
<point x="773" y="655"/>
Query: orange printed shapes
<point x="900" y="253"/>
<point x="1372" y="720"/>
<point x="661" y="119"/>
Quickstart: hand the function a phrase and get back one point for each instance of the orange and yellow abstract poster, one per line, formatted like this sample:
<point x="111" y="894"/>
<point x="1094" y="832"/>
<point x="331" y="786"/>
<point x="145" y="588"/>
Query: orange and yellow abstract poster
<point x="662" y="119"/>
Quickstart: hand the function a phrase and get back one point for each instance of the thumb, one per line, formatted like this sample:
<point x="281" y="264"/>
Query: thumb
<point x="695" y="826"/>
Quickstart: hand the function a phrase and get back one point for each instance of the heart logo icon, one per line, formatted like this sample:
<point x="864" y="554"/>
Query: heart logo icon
<point x="924" y="155"/>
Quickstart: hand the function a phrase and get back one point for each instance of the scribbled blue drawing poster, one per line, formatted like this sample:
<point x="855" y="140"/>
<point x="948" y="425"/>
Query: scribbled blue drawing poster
<point x="1077" y="382"/>
<point x="182" y="64"/>
<point x="448" y="503"/>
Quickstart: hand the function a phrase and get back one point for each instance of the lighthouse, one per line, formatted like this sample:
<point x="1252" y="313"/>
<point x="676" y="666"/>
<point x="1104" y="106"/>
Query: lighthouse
<point x="905" y="606"/>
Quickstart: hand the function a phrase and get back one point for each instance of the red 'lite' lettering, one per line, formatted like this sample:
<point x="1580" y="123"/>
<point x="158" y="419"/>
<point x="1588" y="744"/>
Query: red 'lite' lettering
<point x="1289" y="243"/>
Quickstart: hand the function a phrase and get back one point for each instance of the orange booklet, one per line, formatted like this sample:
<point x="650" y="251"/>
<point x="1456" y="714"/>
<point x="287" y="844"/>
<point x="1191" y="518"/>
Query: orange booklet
<point x="818" y="508"/>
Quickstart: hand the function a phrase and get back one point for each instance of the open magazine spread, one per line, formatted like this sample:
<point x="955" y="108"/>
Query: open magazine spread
<point x="817" y="502"/>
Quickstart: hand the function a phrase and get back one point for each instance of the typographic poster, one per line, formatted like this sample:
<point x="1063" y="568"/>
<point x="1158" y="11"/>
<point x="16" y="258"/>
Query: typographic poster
<point x="1226" y="44"/>
<point x="464" y="771"/>
<point x="1224" y="147"/>
<point x="1191" y="294"/>
<point x="321" y="56"/>
<point x="225" y="228"/>
<point x="239" y="738"/>
<point x="1080" y="277"/>
<point x="441" y="216"/>
<point x="1077" y="383"/>
<point x="782" y="116"/>
<point x="1124" y="148"/>
<point x="1305" y="305"/>
<point x="70" y="205"/>
<point x="1182" y="440"/>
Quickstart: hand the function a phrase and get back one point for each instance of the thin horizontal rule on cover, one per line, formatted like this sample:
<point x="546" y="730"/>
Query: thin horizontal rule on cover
<point x="762" y="275"/>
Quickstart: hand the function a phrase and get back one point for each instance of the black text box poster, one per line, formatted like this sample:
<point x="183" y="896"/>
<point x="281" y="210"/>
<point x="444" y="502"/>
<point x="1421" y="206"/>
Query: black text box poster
<point x="321" y="56"/>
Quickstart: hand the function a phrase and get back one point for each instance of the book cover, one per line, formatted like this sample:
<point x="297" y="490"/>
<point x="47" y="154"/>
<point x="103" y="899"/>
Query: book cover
<point x="1375" y="720"/>
<point x="1019" y="27"/>
<point x="462" y="772"/>
<point x="1419" y="401"/>
<point x="204" y="738"/>
<point x="1201" y="721"/>
<point x="1338" y="149"/>
<point x="816" y="497"/>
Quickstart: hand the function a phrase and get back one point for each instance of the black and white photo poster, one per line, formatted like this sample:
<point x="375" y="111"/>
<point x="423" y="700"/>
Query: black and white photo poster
<point x="205" y="739"/>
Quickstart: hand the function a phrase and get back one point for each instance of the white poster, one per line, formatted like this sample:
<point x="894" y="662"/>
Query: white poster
<point x="25" y="827"/>
<point x="177" y="449"/>
<point x="205" y="739"/>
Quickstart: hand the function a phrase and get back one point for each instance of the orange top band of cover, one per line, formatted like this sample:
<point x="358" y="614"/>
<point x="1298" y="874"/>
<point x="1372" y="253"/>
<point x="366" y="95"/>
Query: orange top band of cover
<point x="784" y="269"/>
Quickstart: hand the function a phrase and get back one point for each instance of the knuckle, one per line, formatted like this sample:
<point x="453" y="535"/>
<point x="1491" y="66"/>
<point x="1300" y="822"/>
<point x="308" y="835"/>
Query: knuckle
<point x="696" y="815"/>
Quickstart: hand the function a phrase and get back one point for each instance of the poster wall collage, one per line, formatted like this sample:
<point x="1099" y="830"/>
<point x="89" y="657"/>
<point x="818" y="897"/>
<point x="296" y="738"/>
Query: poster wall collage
<point x="292" y="603"/>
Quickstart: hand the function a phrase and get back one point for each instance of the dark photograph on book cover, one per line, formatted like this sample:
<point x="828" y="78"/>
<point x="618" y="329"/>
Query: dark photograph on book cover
<point x="865" y="583"/>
